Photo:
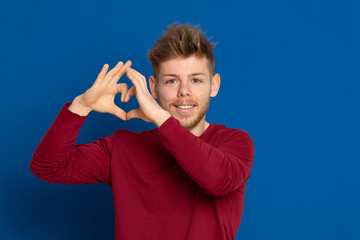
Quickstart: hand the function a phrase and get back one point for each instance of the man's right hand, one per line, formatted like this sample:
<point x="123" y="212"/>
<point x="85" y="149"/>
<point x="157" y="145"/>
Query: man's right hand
<point x="100" y="97"/>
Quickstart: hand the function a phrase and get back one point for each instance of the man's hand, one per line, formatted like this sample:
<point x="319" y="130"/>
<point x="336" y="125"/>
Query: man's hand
<point x="149" y="110"/>
<point x="100" y="97"/>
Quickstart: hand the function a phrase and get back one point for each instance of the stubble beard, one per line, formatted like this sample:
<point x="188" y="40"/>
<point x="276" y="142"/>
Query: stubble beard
<point x="188" y="122"/>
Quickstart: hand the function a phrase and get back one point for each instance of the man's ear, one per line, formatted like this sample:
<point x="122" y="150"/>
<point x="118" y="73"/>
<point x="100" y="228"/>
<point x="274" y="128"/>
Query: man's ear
<point x="153" y="85"/>
<point x="215" y="85"/>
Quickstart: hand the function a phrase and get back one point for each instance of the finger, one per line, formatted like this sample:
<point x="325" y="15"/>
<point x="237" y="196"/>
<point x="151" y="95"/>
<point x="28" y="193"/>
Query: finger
<point x="121" y="72"/>
<point x="133" y="78"/>
<point x="139" y="76"/>
<point x="123" y="89"/>
<point x="115" y="70"/>
<point x="133" y="114"/>
<point x="136" y="72"/>
<point x="129" y="94"/>
<point x="137" y="113"/>
<point x="103" y="71"/>
<point x="118" y="112"/>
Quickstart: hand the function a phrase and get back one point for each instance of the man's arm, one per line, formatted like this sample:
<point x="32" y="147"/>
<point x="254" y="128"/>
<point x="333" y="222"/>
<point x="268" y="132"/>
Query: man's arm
<point x="218" y="169"/>
<point x="57" y="159"/>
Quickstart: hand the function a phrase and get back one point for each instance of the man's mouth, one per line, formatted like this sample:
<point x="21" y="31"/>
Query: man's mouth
<point x="185" y="106"/>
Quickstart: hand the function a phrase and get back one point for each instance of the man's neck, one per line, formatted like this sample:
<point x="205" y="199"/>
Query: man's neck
<point x="200" y="128"/>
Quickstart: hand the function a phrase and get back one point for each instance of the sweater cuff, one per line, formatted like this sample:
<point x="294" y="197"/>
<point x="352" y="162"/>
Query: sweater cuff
<point x="69" y="119"/>
<point x="169" y="125"/>
<point x="172" y="133"/>
<point x="67" y="113"/>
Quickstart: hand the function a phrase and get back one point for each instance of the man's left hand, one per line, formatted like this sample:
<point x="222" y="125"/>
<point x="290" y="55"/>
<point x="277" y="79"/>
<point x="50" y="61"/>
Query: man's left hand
<point x="149" y="110"/>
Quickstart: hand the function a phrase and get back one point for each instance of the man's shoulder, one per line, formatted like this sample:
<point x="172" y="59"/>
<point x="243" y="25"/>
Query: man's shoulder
<point x="221" y="129"/>
<point x="221" y="133"/>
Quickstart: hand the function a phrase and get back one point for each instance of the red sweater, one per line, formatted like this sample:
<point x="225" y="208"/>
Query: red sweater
<point x="166" y="182"/>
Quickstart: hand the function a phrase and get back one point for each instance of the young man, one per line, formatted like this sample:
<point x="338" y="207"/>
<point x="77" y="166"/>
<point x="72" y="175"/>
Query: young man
<point x="184" y="179"/>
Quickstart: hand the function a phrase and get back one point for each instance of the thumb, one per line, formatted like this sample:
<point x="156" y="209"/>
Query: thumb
<point x="137" y="113"/>
<point x="133" y="114"/>
<point x="118" y="112"/>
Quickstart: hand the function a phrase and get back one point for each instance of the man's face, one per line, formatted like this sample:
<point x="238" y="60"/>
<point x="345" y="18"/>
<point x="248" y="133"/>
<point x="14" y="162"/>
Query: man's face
<point x="184" y="87"/>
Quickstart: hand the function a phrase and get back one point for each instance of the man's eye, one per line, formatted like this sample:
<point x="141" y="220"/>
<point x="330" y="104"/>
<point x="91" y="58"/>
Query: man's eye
<point x="171" y="81"/>
<point x="195" y="80"/>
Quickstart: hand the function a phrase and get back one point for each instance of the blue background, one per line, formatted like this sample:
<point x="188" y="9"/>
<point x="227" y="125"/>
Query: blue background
<point x="290" y="78"/>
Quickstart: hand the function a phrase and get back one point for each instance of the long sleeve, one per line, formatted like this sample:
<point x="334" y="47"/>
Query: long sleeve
<point x="58" y="159"/>
<point x="219" y="168"/>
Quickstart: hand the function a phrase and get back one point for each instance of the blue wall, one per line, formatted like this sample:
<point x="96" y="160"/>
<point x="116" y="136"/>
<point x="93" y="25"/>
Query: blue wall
<point x="290" y="78"/>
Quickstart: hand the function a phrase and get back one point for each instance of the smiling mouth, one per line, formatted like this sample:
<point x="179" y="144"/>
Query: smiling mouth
<point x="185" y="106"/>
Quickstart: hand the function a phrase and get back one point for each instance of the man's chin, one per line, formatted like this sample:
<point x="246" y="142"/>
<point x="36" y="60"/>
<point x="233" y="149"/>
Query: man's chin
<point x="188" y="123"/>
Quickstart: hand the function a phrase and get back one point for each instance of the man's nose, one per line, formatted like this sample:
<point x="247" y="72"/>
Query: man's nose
<point x="184" y="90"/>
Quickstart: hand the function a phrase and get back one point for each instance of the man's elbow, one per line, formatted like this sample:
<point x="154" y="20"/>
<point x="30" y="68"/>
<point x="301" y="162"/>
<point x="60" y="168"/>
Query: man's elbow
<point x="40" y="169"/>
<point x="231" y="180"/>
<point x="225" y="188"/>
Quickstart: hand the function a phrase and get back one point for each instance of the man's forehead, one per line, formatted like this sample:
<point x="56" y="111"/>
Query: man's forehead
<point x="184" y="66"/>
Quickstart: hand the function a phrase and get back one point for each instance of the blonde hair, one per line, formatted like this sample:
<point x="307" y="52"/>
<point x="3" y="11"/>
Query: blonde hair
<point x="182" y="40"/>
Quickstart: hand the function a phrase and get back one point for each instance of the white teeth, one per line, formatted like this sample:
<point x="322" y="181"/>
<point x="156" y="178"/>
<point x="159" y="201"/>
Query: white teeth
<point x="184" y="107"/>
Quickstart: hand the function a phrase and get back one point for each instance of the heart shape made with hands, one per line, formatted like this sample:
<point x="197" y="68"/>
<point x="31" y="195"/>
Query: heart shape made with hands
<point x="101" y="95"/>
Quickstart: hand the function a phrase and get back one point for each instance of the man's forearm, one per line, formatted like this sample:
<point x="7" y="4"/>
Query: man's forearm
<point x="58" y="159"/>
<point x="161" y="118"/>
<point x="219" y="170"/>
<point x="57" y="144"/>
<point x="78" y="107"/>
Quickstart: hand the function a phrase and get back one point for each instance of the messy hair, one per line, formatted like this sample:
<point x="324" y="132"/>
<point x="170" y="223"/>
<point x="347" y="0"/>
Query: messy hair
<point x="183" y="41"/>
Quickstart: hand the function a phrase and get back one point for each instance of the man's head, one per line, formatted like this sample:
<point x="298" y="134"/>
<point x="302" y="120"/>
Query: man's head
<point x="181" y="41"/>
<point x="184" y="78"/>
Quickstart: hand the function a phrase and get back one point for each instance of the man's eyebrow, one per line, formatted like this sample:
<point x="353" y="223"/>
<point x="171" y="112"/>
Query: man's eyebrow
<point x="196" y="74"/>
<point x="175" y="75"/>
<point x="169" y="75"/>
